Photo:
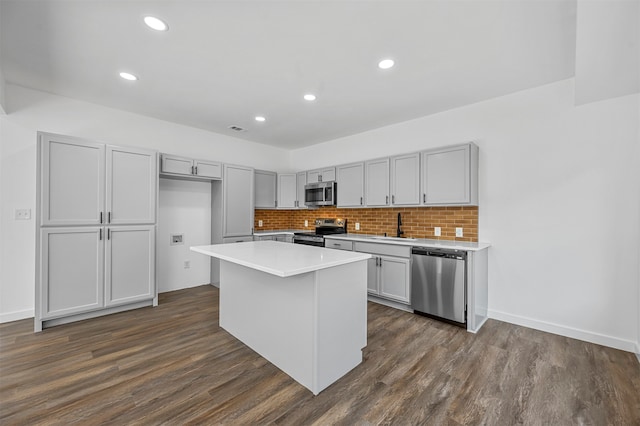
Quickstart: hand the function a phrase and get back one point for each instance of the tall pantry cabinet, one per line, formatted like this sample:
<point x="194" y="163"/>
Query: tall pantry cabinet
<point x="96" y="218"/>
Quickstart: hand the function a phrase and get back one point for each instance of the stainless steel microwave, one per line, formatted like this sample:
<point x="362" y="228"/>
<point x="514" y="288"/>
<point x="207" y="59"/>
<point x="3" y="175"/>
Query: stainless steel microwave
<point x="320" y="194"/>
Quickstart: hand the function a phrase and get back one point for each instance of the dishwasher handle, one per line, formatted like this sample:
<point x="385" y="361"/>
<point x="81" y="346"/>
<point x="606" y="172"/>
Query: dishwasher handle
<point x="447" y="254"/>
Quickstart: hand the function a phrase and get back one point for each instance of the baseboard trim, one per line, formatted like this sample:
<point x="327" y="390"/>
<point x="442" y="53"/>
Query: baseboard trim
<point x="16" y="316"/>
<point x="574" y="333"/>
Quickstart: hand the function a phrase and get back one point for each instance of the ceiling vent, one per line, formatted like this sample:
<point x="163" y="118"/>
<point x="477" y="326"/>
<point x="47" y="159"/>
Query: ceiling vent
<point x="237" y="129"/>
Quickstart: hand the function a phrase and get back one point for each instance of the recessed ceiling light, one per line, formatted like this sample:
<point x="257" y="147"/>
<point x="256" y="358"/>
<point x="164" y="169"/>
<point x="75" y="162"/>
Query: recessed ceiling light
<point x="386" y="64"/>
<point x="128" y="76"/>
<point x="155" y="23"/>
<point x="260" y="118"/>
<point x="309" y="97"/>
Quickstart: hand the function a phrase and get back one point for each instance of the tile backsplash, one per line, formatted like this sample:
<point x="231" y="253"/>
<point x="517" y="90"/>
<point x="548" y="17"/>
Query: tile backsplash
<point x="417" y="222"/>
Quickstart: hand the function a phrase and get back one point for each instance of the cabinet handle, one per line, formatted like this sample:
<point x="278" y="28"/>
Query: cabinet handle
<point x="101" y="222"/>
<point x="386" y="199"/>
<point x="195" y="170"/>
<point x="100" y="234"/>
<point x="109" y="217"/>
<point x="191" y="169"/>
<point x="360" y="200"/>
<point x="276" y="203"/>
<point x="393" y="199"/>
<point x="108" y="233"/>
<point x="424" y="198"/>
<point x="319" y="178"/>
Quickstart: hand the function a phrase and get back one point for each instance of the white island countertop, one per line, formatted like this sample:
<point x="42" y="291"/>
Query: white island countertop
<point x="279" y="258"/>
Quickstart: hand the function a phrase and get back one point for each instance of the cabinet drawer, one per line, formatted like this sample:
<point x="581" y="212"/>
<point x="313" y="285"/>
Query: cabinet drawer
<point x="340" y="245"/>
<point x="383" y="249"/>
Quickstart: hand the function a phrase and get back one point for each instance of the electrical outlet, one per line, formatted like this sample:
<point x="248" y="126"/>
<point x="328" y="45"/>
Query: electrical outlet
<point x="23" y="214"/>
<point x="357" y="226"/>
<point x="458" y="232"/>
<point x="437" y="231"/>
<point x="187" y="264"/>
<point x="306" y="223"/>
<point x="260" y="223"/>
<point x="176" y="239"/>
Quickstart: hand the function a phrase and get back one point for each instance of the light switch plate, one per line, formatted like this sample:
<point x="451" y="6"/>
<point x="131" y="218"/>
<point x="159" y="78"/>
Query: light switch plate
<point x="306" y="223"/>
<point x="357" y="226"/>
<point x="260" y="223"/>
<point x="23" y="214"/>
<point x="458" y="232"/>
<point x="437" y="231"/>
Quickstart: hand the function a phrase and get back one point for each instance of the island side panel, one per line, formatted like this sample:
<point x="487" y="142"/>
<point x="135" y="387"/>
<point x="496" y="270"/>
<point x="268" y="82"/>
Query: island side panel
<point x="341" y="321"/>
<point x="477" y="289"/>
<point x="271" y="315"/>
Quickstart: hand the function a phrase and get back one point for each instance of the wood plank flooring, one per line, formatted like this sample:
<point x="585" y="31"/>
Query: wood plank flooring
<point x="174" y="365"/>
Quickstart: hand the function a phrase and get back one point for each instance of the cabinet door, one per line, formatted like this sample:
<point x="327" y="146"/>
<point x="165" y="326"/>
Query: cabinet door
<point x="71" y="271"/>
<point x="265" y="187"/>
<point x="176" y="165"/>
<point x="328" y="174"/>
<point x="372" y="275"/>
<point x="301" y="182"/>
<point x="377" y="182"/>
<point x="238" y="201"/>
<point x="72" y="181"/>
<point x="394" y="278"/>
<point x="313" y="176"/>
<point x="350" y="180"/>
<point x="287" y="191"/>
<point x="130" y="264"/>
<point x="445" y="176"/>
<point x="209" y="169"/>
<point x="132" y="186"/>
<point x="405" y="180"/>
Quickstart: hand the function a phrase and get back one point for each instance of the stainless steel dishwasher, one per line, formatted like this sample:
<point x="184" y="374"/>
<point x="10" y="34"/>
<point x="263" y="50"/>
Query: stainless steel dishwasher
<point x="439" y="284"/>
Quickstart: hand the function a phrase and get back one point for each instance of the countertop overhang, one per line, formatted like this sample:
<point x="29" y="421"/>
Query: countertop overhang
<point x="280" y="258"/>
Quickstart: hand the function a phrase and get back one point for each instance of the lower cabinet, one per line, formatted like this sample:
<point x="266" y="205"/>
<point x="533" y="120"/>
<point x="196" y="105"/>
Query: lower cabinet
<point x="86" y="269"/>
<point x="388" y="277"/>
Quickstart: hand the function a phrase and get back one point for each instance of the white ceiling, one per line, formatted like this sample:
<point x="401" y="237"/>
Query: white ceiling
<point x="223" y="62"/>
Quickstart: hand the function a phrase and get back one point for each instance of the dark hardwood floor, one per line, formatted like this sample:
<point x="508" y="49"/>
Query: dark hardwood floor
<point x="173" y="365"/>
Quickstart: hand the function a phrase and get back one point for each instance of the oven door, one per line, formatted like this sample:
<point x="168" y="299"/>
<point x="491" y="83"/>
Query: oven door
<point x="309" y="240"/>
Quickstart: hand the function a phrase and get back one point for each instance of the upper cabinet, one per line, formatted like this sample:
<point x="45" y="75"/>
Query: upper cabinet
<point x="350" y="179"/>
<point x="287" y="190"/>
<point x="327" y="174"/>
<point x="377" y="183"/>
<point x="450" y="175"/>
<point x="405" y="180"/>
<point x="86" y="183"/>
<point x="301" y="181"/>
<point x="265" y="187"/>
<point x="237" y="200"/>
<point x="172" y="165"/>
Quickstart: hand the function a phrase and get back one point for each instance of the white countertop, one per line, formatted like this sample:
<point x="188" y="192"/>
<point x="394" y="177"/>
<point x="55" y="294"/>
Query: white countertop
<point x="458" y="245"/>
<point x="283" y="231"/>
<point x="279" y="258"/>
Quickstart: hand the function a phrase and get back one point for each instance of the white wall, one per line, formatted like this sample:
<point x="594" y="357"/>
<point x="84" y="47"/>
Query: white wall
<point x="184" y="208"/>
<point x="559" y="202"/>
<point x="29" y="111"/>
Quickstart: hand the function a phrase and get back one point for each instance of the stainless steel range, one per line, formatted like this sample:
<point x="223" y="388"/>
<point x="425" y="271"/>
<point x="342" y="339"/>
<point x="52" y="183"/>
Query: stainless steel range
<point x="323" y="227"/>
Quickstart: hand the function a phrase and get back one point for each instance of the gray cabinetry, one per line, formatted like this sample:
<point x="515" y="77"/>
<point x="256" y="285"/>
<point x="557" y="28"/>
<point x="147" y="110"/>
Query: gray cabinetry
<point x="405" y="180"/>
<point x="450" y="176"/>
<point x="389" y="270"/>
<point x="350" y="180"/>
<point x="287" y="191"/>
<point x="129" y="264"/>
<point x="377" y="183"/>
<point x="237" y="201"/>
<point x="89" y="188"/>
<point x="72" y="174"/>
<point x="70" y="275"/>
<point x="301" y="181"/>
<point x="321" y="175"/>
<point x="265" y="189"/>
<point x="173" y="165"/>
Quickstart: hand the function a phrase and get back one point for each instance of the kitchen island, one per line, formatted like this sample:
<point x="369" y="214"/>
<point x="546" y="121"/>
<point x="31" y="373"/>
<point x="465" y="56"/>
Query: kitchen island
<point x="302" y="308"/>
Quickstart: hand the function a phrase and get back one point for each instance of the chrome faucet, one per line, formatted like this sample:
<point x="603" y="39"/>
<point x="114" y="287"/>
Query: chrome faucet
<point x="399" y="232"/>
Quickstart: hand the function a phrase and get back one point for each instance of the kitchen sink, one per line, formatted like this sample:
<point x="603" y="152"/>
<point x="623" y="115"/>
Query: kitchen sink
<point x="394" y="238"/>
